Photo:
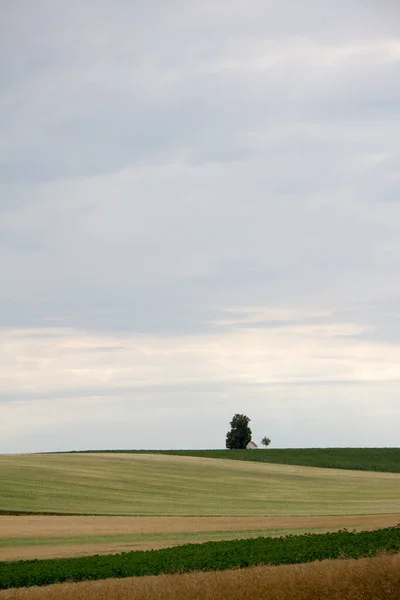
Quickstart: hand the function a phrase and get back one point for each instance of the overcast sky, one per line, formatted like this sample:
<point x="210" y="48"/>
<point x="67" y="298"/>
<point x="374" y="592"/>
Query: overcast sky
<point x="199" y="216"/>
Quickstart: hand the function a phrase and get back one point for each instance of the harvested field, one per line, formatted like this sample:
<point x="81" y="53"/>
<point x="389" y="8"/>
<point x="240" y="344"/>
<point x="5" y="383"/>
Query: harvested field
<point x="365" y="459"/>
<point x="376" y="578"/>
<point x="45" y="526"/>
<point x="145" y="484"/>
<point x="25" y="537"/>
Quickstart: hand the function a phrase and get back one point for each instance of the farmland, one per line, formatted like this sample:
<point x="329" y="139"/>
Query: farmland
<point x="209" y="556"/>
<point x="159" y="485"/>
<point x="364" y="459"/>
<point x="366" y="578"/>
<point x="79" y="504"/>
<point x="39" y="536"/>
<point x="122" y="502"/>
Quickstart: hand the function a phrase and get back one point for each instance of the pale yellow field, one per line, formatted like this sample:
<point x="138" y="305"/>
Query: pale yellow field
<point x="145" y="484"/>
<point x="26" y="537"/>
<point x="375" y="578"/>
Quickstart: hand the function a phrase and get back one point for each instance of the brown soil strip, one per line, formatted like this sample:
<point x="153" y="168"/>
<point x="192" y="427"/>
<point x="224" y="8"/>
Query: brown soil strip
<point x="376" y="578"/>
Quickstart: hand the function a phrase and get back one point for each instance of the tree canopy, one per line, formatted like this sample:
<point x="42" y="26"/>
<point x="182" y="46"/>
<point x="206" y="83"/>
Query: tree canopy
<point x="265" y="441"/>
<point x="240" y="433"/>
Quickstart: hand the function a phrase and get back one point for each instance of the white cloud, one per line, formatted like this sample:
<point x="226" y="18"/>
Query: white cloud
<point x="57" y="361"/>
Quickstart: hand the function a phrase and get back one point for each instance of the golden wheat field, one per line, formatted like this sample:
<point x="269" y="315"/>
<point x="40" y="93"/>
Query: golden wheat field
<point x="376" y="578"/>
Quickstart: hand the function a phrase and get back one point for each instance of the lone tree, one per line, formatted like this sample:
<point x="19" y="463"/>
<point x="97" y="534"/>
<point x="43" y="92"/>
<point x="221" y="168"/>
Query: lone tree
<point x="265" y="441"/>
<point x="240" y="434"/>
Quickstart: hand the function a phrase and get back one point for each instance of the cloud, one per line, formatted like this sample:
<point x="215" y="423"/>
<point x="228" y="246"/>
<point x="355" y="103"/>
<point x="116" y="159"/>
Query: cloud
<point x="58" y="361"/>
<point x="195" y="196"/>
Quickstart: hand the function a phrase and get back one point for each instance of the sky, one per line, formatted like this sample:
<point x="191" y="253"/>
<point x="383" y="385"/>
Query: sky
<point x="199" y="216"/>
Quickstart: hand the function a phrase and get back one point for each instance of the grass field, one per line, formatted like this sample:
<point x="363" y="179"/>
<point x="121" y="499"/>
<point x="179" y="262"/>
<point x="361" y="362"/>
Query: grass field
<point x="376" y="578"/>
<point x="28" y="537"/>
<point x="148" y="484"/>
<point x="365" y="459"/>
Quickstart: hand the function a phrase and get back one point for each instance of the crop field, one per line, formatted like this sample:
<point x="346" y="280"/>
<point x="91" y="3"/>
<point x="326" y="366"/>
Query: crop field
<point x="81" y="504"/>
<point x="376" y="578"/>
<point x="364" y="459"/>
<point x="210" y="556"/>
<point x="28" y="537"/>
<point x="154" y="501"/>
<point x="156" y="485"/>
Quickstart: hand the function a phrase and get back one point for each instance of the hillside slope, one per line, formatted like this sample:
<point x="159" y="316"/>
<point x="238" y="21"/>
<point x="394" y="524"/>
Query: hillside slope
<point x="362" y="459"/>
<point x="153" y="484"/>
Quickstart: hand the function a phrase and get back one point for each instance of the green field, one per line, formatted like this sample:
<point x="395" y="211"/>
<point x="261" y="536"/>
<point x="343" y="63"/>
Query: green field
<point x="154" y="484"/>
<point x="365" y="459"/>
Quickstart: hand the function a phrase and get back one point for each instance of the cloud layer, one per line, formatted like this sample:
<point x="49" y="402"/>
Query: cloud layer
<point x="199" y="208"/>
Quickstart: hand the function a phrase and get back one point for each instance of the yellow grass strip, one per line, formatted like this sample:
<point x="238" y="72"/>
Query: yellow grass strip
<point x="375" y="578"/>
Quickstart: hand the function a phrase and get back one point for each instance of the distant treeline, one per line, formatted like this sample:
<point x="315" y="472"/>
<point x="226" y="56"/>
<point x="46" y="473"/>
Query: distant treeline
<point x="210" y="556"/>
<point x="364" y="459"/>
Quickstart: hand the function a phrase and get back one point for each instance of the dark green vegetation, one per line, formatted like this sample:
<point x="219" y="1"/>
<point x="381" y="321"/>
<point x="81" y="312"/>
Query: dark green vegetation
<point x="239" y="434"/>
<point x="211" y="556"/>
<point x="363" y="459"/>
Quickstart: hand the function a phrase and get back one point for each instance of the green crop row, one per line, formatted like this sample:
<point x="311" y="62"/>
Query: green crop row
<point x="210" y="556"/>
